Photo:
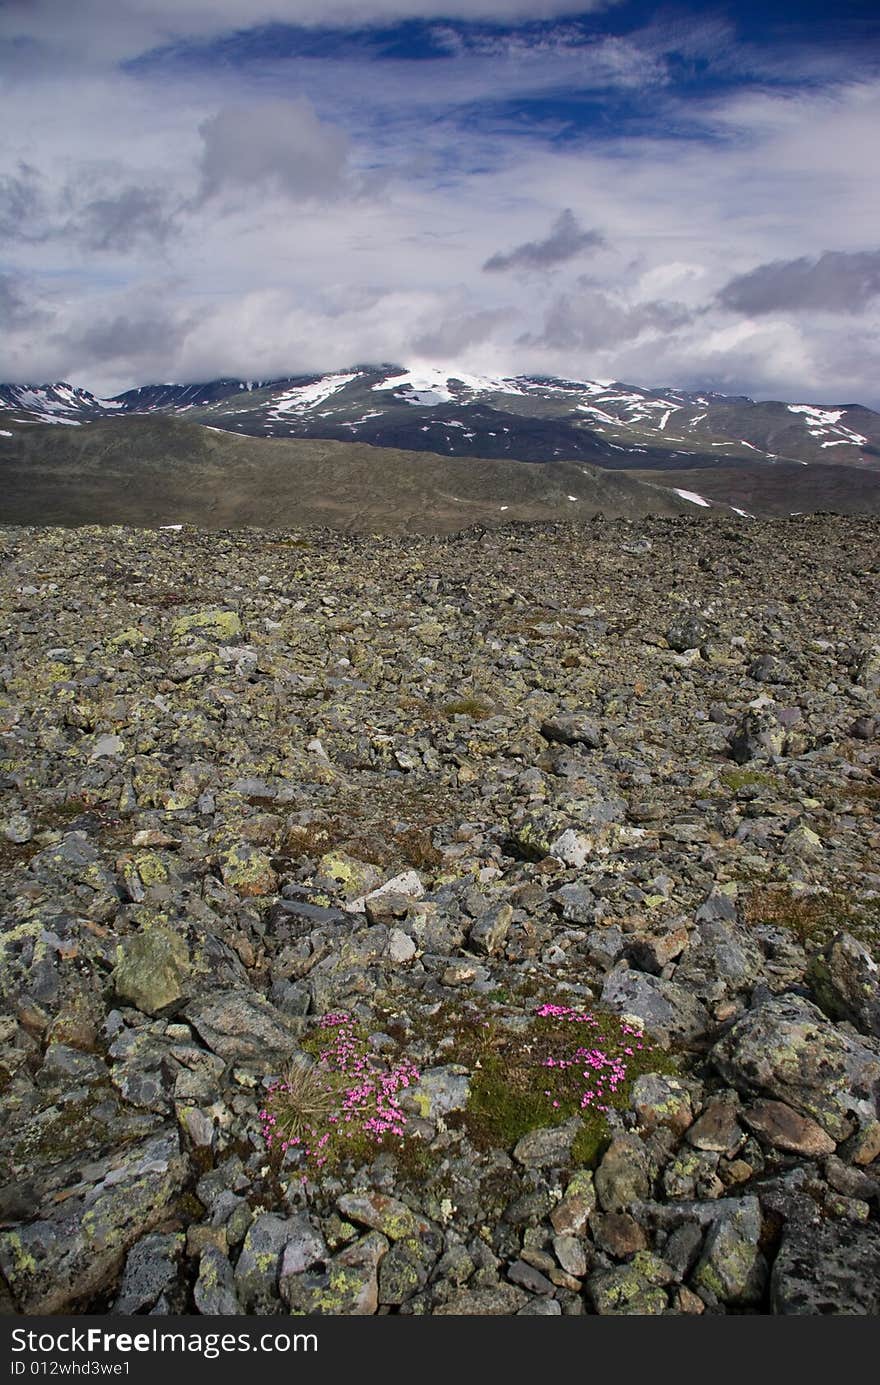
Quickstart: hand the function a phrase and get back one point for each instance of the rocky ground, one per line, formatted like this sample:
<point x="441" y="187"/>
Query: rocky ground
<point x="483" y="924"/>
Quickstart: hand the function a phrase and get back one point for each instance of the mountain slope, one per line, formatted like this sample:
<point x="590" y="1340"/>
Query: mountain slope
<point x="160" y="470"/>
<point x="457" y="414"/>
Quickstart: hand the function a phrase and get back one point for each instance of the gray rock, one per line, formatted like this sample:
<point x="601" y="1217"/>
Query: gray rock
<point x="623" y="1177"/>
<point x="490" y="929"/>
<point x="732" y="1267"/>
<point x="573" y="728"/>
<point x="150" y="1270"/>
<point x="845" y="980"/>
<point x="830" y="1267"/>
<point x="241" y="1027"/>
<point x="788" y="1050"/>
<point x="152" y="971"/>
<point x="659" y="1004"/>
<point x="489" y="1301"/>
<point x="548" y="1146"/>
<point x="76" y="1248"/>
<point x="687" y="632"/>
<point x="214" y="1290"/>
<point x="636" y="1289"/>
<point x="259" y="1264"/>
<point x="437" y="1092"/>
<point x="404" y="1271"/>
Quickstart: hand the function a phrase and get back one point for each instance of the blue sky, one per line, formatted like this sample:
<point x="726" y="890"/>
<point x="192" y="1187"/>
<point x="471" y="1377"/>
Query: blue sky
<point x="667" y="194"/>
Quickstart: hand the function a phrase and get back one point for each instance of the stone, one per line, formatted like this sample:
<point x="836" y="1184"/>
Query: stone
<point x="496" y="1301"/>
<point x="732" y="1267"/>
<point x="572" y="728"/>
<point x="384" y="1214"/>
<point x="258" y="1267"/>
<point x="347" y="1287"/>
<point x="409" y="885"/>
<point x="845" y="980"/>
<point x="571" y="1214"/>
<point x="618" y="1234"/>
<point x="152" y="970"/>
<point x="789" y="1051"/>
<point x="240" y="1026"/>
<point x="569" y="1251"/>
<point x="659" y="1100"/>
<point x="437" y="1092"/>
<point x="635" y="1289"/>
<point x="827" y="1268"/>
<point x="652" y="952"/>
<point x="402" y="1273"/>
<point x="623" y="1176"/>
<point x="248" y="870"/>
<point x="151" y="1270"/>
<point x="488" y="932"/>
<point x="658" y="1004"/>
<point x="75" y="1248"/>
<point x="717" y="1128"/>
<point x="689" y="631"/>
<point x="779" y="1126"/>
<point x="401" y="948"/>
<point x="211" y="623"/>
<point x="548" y="1146"/>
<point x="214" y="1290"/>
<point x="304" y="1247"/>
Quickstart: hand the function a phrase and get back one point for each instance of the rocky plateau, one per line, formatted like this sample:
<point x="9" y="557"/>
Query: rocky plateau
<point x="292" y="818"/>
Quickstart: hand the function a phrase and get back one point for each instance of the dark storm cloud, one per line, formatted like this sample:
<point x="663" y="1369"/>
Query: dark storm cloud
<point x="22" y="205"/>
<point x="455" y="334"/>
<point x="277" y="145"/>
<point x="566" y="240"/>
<point x="592" y="319"/>
<point x="136" y="215"/>
<point x="16" y="311"/>
<point x="81" y="212"/>
<point x="130" y="336"/>
<point x="838" y="281"/>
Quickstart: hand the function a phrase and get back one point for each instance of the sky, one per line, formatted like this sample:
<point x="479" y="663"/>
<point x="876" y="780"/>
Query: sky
<point x="680" y="194"/>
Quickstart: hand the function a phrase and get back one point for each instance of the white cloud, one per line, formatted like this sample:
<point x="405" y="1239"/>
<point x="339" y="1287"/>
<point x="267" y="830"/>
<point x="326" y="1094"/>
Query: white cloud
<point x="187" y="224"/>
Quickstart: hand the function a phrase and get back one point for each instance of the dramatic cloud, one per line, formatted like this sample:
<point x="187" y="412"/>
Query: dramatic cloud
<point x="16" y="308"/>
<point x="447" y="339"/>
<point x="119" y="222"/>
<point x="187" y="191"/>
<point x="566" y="241"/>
<point x="592" y="319"/>
<point x="137" y="338"/>
<point x="836" y="282"/>
<point x="22" y="205"/>
<point x="281" y="145"/>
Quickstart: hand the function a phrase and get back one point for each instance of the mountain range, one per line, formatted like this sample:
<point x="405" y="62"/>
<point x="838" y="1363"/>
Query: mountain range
<point x="703" y="450"/>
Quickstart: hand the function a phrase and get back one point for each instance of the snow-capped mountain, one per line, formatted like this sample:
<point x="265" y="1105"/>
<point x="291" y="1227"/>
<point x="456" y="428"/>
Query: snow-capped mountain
<point x="455" y="413"/>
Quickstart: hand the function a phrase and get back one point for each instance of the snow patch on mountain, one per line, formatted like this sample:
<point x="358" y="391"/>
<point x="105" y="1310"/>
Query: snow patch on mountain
<point x="693" y="497"/>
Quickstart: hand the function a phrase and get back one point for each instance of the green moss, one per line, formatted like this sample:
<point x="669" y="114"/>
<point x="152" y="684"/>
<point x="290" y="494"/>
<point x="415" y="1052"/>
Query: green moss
<point x="736" y="779"/>
<point x="466" y="707"/>
<point x="520" y="1084"/>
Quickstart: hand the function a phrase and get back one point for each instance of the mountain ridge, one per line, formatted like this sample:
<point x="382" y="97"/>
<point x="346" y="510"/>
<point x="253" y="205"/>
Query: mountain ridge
<point x="448" y="411"/>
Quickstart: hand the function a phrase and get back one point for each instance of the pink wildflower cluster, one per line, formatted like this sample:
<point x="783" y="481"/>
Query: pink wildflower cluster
<point x="361" y="1096"/>
<point x="602" y="1072"/>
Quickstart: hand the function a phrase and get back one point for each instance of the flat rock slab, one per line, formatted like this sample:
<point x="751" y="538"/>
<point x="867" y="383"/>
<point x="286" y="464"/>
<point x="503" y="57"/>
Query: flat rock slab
<point x="241" y="1027"/>
<point x="75" y="1250"/>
